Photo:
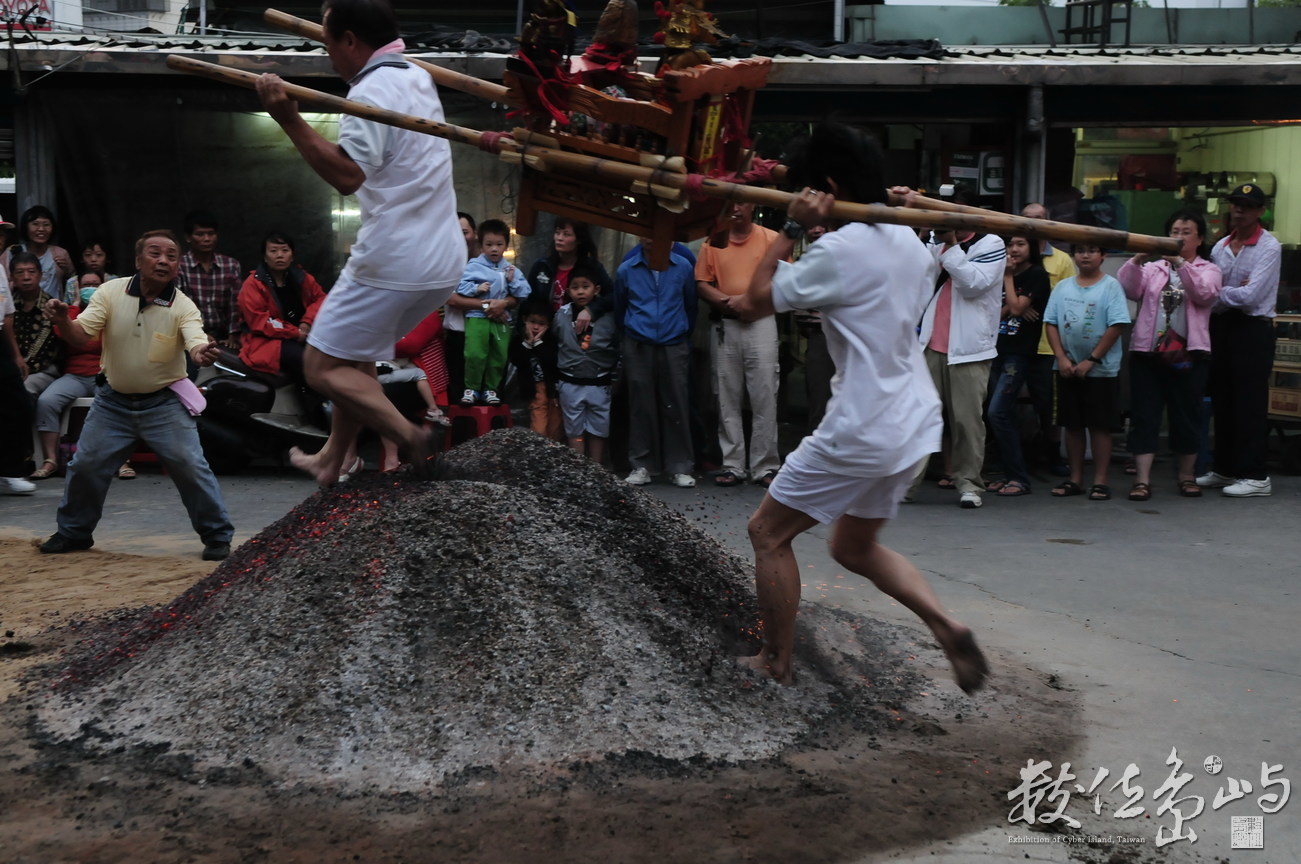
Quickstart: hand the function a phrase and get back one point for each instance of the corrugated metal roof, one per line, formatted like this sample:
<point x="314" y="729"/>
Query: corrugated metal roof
<point x="142" y="53"/>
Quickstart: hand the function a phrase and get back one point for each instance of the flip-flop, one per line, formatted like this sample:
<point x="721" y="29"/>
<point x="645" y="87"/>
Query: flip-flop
<point x="126" y="472"/>
<point x="946" y="482"/>
<point x="997" y="485"/>
<point x="1099" y="492"/>
<point x="355" y="468"/>
<point x="726" y="478"/>
<point x="1012" y="489"/>
<point x="1066" y="489"/>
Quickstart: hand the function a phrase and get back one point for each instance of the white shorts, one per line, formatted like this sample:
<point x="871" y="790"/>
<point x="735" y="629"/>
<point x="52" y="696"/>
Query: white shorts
<point x="585" y="408"/>
<point x="358" y="322"/>
<point x="827" y="496"/>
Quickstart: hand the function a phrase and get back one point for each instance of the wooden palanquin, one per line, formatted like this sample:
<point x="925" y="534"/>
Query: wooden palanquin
<point x="699" y="113"/>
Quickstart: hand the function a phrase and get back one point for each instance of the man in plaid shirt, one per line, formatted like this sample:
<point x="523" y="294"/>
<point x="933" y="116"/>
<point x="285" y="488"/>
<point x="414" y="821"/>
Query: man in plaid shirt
<point x="211" y="280"/>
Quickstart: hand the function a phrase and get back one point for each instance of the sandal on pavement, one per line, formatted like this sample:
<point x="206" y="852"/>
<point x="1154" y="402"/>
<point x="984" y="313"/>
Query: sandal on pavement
<point x="1141" y="492"/>
<point x="126" y="472"/>
<point x="1013" y="488"/>
<point x="1066" y="489"/>
<point x="1131" y="467"/>
<point x="766" y="480"/>
<point x="351" y="470"/>
<point x="1099" y="492"/>
<point x="946" y="482"/>
<point x="726" y="478"/>
<point x="997" y="485"/>
<point x="47" y="469"/>
<point x="1190" y="489"/>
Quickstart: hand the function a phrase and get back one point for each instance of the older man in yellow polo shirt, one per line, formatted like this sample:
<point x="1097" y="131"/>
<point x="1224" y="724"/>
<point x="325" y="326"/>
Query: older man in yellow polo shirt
<point x="146" y="327"/>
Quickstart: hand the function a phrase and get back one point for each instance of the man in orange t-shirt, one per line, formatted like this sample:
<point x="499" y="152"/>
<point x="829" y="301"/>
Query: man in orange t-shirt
<point x="744" y="353"/>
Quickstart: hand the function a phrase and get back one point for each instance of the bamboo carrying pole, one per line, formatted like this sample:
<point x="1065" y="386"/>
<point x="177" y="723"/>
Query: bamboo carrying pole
<point x="1042" y="229"/>
<point x="448" y="78"/>
<point x="672" y="185"/>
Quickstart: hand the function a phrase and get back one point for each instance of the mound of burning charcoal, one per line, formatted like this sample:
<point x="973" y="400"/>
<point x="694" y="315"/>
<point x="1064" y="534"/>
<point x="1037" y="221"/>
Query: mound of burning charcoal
<point x="525" y="610"/>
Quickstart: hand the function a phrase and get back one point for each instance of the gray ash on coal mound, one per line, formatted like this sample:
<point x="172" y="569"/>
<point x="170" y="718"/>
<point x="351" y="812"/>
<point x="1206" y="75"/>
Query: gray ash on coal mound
<point x="526" y="611"/>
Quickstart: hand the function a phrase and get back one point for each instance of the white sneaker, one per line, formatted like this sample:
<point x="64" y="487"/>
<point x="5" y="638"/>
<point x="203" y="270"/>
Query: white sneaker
<point x="1214" y="480"/>
<point x="639" y="477"/>
<point x="970" y="500"/>
<point x="19" y="486"/>
<point x="684" y="481"/>
<point x="1247" y="489"/>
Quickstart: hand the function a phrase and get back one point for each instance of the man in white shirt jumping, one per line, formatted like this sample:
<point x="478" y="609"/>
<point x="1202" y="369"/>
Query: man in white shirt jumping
<point x="871" y="283"/>
<point x="409" y="252"/>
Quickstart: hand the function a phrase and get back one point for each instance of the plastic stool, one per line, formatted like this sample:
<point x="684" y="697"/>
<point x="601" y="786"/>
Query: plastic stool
<point x="471" y="421"/>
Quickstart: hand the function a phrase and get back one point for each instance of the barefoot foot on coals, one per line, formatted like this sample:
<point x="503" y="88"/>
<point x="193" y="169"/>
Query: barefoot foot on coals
<point x="762" y="664"/>
<point x="969" y="667"/>
<point x="421" y="452"/>
<point x="314" y="466"/>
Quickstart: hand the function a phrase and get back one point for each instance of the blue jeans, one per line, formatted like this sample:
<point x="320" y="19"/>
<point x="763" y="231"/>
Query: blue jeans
<point x="1006" y="376"/>
<point x="113" y="425"/>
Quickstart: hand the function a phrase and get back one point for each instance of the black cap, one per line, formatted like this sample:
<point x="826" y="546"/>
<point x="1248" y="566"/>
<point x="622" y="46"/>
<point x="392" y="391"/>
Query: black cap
<point x="1248" y="193"/>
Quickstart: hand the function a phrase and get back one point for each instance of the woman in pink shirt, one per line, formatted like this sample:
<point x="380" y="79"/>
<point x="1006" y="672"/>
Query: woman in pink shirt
<point x="1170" y="349"/>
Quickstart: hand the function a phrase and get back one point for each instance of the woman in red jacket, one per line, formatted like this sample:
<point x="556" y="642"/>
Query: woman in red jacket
<point x="279" y="301"/>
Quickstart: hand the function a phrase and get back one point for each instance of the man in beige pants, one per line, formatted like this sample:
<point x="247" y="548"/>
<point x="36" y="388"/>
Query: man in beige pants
<point x="744" y="352"/>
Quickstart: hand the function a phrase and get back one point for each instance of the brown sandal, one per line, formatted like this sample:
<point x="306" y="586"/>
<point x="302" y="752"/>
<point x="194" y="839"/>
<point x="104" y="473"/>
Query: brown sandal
<point x="48" y="469"/>
<point x="1190" y="489"/>
<point x="1140" y="492"/>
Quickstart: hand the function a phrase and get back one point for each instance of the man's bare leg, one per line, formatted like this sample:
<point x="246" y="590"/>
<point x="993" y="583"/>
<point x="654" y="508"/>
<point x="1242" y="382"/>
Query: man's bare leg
<point x="326" y="464"/>
<point x="772" y="528"/>
<point x="356" y="394"/>
<point x="854" y="547"/>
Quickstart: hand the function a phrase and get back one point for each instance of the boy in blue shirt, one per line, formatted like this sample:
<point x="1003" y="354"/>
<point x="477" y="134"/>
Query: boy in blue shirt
<point x="1084" y="318"/>
<point x="488" y="277"/>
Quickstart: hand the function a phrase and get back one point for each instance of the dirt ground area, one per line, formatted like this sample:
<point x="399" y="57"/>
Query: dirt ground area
<point x="840" y="799"/>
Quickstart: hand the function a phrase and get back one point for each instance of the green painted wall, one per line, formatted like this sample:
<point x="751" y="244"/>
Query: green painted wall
<point x="1270" y="149"/>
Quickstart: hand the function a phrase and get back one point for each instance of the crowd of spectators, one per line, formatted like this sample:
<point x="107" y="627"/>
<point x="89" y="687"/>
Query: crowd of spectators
<point x="655" y="357"/>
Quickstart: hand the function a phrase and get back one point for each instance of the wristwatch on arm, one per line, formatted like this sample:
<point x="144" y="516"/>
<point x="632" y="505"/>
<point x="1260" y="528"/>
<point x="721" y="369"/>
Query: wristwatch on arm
<point x="793" y="229"/>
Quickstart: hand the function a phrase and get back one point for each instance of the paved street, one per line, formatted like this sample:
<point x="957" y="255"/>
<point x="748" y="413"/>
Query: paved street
<point x="1174" y="621"/>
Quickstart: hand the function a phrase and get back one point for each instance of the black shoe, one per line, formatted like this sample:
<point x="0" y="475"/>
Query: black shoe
<point x="215" y="551"/>
<point x="58" y="544"/>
